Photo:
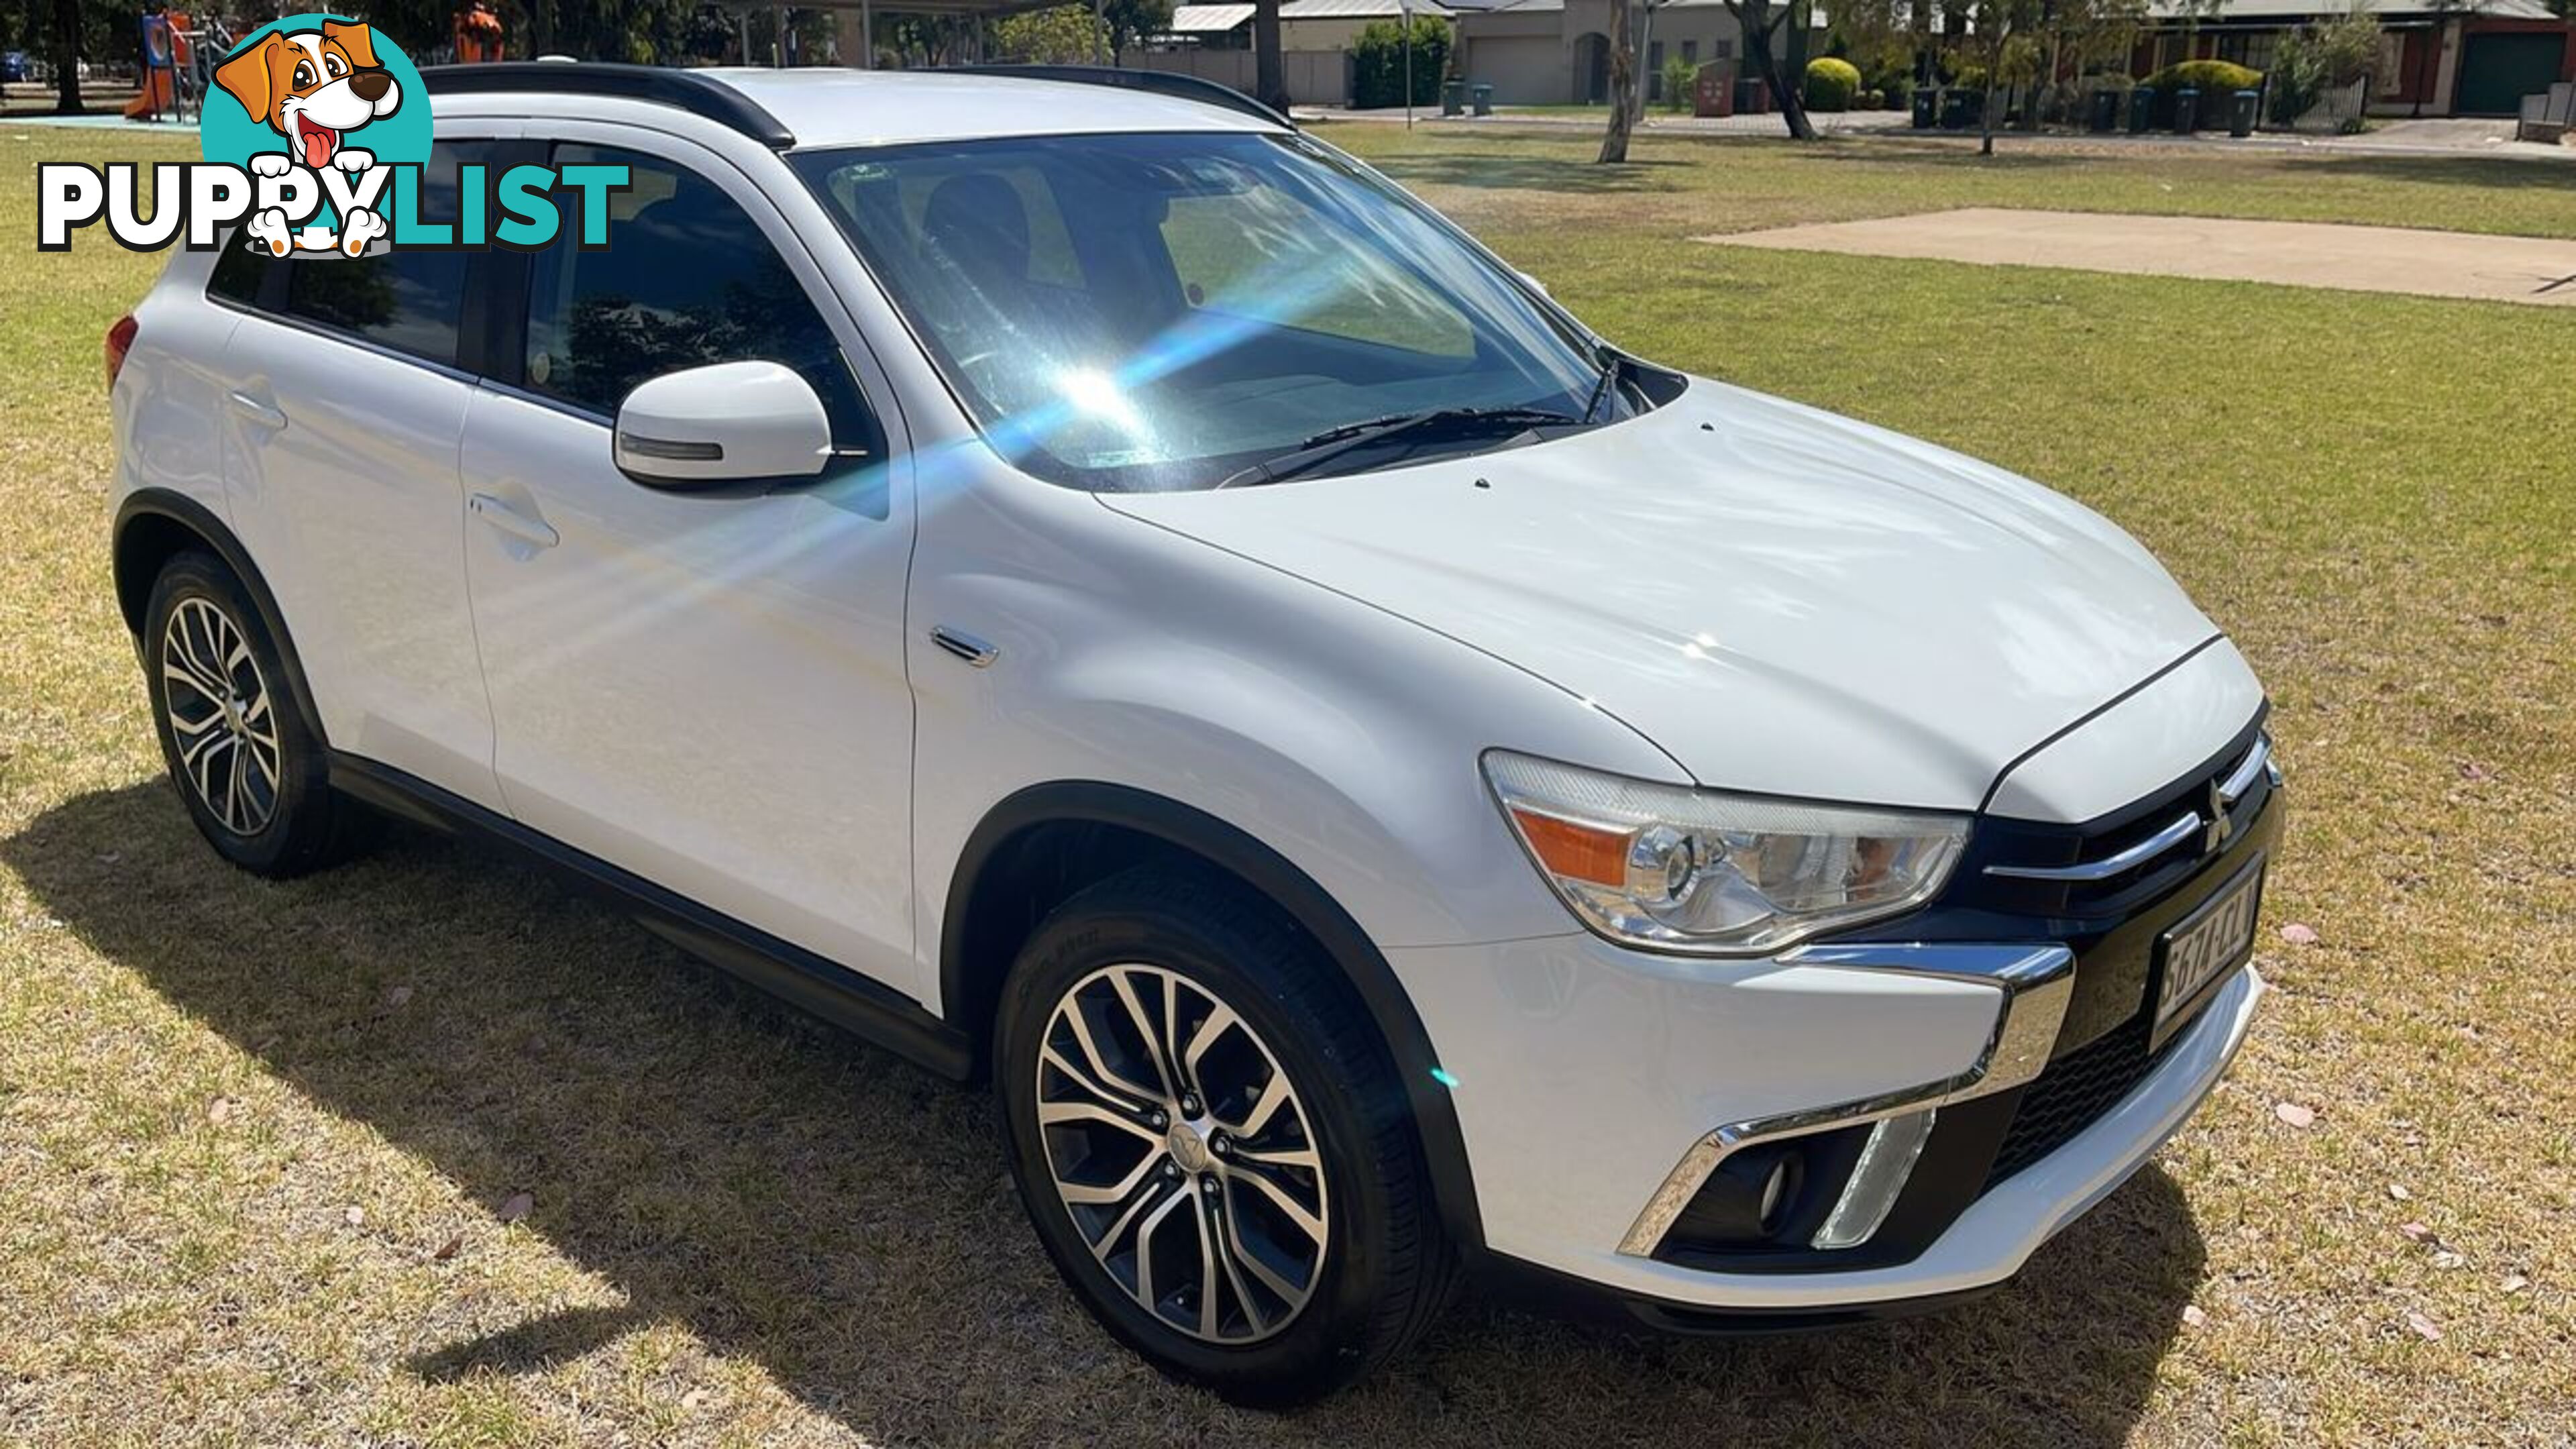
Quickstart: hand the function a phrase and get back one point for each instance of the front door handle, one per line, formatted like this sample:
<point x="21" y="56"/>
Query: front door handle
<point x="266" y="414"/>
<point x="512" y="522"/>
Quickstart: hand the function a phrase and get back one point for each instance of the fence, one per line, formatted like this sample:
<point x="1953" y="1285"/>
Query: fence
<point x="1313" y="77"/>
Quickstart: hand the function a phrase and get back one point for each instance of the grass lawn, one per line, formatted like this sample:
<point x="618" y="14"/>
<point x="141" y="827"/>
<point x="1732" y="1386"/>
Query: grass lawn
<point x="259" y="1144"/>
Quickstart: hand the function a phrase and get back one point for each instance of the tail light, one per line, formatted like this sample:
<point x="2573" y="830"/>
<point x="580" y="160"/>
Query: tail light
<point x="120" y="340"/>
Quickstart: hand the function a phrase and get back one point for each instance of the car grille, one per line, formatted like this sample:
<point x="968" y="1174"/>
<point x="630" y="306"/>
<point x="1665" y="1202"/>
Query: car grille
<point x="2112" y="866"/>
<point x="2074" y="1092"/>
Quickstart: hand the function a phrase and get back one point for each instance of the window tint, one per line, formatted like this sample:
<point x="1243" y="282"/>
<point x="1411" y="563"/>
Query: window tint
<point x="411" y="299"/>
<point x="687" y="279"/>
<point x="239" y="269"/>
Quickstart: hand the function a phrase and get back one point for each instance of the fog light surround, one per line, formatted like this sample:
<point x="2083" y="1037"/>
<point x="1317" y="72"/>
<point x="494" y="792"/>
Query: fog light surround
<point x="1886" y="1164"/>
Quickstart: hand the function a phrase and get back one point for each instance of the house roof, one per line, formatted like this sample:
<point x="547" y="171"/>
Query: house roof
<point x="1207" y="19"/>
<point x="1217" y="19"/>
<point x="1527" y="7"/>
<point x="2287" y="10"/>
<point x="1353" y="9"/>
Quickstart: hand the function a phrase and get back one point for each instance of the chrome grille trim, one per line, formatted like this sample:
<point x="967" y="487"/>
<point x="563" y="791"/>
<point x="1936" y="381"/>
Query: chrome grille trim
<point x="2242" y="778"/>
<point x="2187" y="827"/>
<point x="2223" y="795"/>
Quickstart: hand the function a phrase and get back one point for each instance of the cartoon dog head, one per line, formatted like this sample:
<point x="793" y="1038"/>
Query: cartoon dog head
<point x="312" y="87"/>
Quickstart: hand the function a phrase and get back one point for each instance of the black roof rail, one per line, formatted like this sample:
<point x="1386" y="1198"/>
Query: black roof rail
<point x="1161" y="83"/>
<point x="692" y="91"/>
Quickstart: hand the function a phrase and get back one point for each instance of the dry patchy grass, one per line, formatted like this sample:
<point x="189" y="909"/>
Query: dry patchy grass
<point x="256" y="1140"/>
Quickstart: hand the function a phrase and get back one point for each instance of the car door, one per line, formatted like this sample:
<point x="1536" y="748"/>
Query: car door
<point x="706" y="689"/>
<point x="347" y="389"/>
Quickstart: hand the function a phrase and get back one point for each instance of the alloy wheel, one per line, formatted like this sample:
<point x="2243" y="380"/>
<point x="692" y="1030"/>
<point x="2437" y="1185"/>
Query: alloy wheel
<point x="220" y="715"/>
<point x="1181" y="1150"/>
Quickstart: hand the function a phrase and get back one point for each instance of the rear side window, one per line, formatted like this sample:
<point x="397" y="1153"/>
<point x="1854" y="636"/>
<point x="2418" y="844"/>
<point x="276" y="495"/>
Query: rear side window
<point x="239" y="271"/>
<point x="688" y="279"/>
<point x="411" y="299"/>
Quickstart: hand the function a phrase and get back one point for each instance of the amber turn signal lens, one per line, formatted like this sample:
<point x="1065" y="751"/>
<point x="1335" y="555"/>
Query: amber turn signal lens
<point x="1573" y="851"/>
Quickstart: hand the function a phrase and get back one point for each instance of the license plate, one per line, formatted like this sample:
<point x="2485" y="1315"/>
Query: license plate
<point x="2210" y="943"/>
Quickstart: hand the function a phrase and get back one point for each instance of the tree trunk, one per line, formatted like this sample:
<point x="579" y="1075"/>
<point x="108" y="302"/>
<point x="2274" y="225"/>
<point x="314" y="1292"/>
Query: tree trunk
<point x="1758" y="48"/>
<point x="1623" y="85"/>
<point x="67" y="27"/>
<point x="1986" y="102"/>
<point x="1268" y="81"/>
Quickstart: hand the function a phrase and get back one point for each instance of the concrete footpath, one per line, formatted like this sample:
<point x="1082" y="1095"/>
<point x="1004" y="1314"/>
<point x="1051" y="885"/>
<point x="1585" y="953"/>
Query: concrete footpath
<point x="2290" y="253"/>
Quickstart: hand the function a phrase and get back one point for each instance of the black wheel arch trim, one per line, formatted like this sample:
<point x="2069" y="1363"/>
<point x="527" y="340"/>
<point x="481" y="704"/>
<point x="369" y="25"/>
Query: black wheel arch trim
<point x="195" y="517"/>
<point x="1092" y="802"/>
<point x="869" y="1009"/>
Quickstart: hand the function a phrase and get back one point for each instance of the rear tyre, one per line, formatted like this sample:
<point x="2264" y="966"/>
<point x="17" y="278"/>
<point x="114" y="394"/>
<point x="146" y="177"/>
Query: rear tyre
<point x="1210" y="1139"/>
<point x="252" y="775"/>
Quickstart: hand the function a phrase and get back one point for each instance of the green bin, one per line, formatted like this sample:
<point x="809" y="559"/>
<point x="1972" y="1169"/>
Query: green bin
<point x="2142" y="109"/>
<point x="1483" y="91"/>
<point x="1927" y="106"/>
<point x="2240" y="113"/>
<point x="2186" y="111"/>
<point x="1453" y="98"/>
<point x="2106" y="110"/>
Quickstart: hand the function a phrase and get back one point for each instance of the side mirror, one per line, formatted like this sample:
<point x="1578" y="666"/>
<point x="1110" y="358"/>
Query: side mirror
<point x="731" y="422"/>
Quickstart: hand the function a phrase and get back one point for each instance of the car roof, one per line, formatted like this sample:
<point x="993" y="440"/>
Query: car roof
<point x="831" y="106"/>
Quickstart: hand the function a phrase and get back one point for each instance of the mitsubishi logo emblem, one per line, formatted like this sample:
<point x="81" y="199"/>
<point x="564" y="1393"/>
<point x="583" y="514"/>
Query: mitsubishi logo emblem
<point x="2221" y="826"/>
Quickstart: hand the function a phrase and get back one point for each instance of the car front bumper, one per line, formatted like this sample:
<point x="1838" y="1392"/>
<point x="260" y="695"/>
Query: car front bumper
<point x="1595" y="1086"/>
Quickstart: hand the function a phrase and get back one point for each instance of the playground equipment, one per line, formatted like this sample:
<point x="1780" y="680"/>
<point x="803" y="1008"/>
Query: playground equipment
<point x="478" y="34"/>
<point x="176" y="57"/>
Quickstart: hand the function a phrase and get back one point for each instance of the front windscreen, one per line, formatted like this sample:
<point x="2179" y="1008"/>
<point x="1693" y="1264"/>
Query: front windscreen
<point x="1157" y="311"/>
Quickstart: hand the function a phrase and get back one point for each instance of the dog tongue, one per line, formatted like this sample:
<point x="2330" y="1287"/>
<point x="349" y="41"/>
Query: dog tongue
<point x="317" y="146"/>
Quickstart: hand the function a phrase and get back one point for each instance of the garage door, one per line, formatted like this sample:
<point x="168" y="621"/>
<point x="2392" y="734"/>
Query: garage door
<point x="2498" y="70"/>
<point x="1524" y="70"/>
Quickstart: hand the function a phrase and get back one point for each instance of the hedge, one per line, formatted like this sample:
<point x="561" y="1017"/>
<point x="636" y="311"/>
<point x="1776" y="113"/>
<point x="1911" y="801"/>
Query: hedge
<point x="1377" y="62"/>
<point x="2216" y="80"/>
<point x="1831" y="84"/>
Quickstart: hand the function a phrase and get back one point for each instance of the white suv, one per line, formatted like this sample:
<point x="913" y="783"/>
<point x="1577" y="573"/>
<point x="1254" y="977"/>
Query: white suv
<point x="1098" y="591"/>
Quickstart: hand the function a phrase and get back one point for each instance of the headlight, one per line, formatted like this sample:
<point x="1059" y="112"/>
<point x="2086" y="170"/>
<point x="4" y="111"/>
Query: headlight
<point x="1700" y="871"/>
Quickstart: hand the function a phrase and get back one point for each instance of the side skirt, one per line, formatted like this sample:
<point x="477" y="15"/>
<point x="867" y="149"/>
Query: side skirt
<point x="876" y="1013"/>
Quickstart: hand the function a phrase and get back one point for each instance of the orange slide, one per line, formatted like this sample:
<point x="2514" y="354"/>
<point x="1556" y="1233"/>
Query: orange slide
<point x="165" y="49"/>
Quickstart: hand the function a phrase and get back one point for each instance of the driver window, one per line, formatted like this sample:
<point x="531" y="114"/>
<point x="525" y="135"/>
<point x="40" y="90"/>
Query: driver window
<point x="687" y="279"/>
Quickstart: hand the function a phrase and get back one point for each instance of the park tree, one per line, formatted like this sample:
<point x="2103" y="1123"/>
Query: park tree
<point x="1623" y="84"/>
<point x="1130" y="21"/>
<point x="1765" y="24"/>
<point x="67" y="54"/>
<point x="1269" y="80"/>
<point x="2000" y="44"/>
<point x="67" y="32"/>
<point x="1062" y="35"/>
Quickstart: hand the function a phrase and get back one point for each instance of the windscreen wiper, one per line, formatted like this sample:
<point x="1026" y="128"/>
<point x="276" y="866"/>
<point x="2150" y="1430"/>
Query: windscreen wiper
<point x="1331" y="443"/>
<point x="1611" y="363"/>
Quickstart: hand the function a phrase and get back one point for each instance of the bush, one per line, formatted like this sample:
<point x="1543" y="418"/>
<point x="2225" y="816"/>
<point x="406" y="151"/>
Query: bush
<point x="2212" y="78"/>
<point x="1831" y="84"/>
<point x="2216" y="80"/>
<point x="1679" y="77"/>
<point x="1377" y="62"/>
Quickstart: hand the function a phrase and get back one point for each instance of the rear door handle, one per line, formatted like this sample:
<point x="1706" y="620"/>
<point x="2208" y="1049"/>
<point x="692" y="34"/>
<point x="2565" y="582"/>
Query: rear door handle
<point x="512" y="522"/>
<point x="266" y="414"/>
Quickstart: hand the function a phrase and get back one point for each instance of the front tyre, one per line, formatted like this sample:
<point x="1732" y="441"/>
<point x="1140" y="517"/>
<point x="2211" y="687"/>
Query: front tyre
<point x="1210" y="1140"/>
<point x="254" y="779"/>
